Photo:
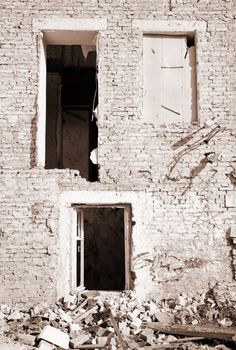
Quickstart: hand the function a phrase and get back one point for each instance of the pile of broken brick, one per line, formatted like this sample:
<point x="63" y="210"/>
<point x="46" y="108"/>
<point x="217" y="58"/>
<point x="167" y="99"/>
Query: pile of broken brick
<point x="89" y="320"/>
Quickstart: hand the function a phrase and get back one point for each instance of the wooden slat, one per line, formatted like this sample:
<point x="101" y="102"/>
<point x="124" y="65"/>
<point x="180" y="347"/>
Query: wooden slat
<point x="205" y="331"/>
<point x="171" y="344"/>
<point x="114" y="324"/>
<point x="86" y="314"/>
<point x="91" y="346"/>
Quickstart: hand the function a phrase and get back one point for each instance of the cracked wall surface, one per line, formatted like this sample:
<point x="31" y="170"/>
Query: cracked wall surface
<point x="183" y="174"/>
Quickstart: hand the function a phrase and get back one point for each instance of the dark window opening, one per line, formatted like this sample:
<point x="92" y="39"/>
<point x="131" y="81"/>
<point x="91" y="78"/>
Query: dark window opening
<point x="72" y="98"/>
<point x="190" y="40"/>
<point x="102" y="248"/>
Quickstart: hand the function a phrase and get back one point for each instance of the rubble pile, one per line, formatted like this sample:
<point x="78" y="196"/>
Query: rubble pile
<point x="89" y="320"/>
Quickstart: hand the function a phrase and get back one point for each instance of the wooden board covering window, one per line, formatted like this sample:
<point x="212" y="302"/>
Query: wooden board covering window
<point x="169" y="79"/>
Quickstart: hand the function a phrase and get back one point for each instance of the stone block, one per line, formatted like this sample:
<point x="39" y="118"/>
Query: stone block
<point x="233" y="231"/>
<point x="230" y="200"/>
<point x="26" y="339"/>
<point x="74" y="329"/>
<point x="79" y="340"/>
<point x="44" y="345"/>
<point x="102" y="340"/>
<point x="15" y="316"/>
<point x="55" y="336"/>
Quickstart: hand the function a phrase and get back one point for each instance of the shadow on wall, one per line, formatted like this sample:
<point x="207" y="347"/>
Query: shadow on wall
<point x="229" y="235"/>
<point x="33" y="131"/>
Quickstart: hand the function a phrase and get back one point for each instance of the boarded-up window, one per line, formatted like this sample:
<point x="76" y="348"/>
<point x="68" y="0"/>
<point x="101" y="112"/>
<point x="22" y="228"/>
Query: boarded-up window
<point x="169" y="77"/>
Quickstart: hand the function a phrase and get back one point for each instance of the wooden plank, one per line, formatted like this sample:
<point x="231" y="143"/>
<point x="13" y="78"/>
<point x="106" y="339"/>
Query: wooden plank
<point x="127" y="216"/>
<point x="152" y="85"/>
<point x="162" y="347"/>
<point x="171" y="343"/>
<point x="114" y="324"/>
<point x="173" y="50"/>
<point x="91" y="346"/>
<point x="87" y="313"/>
<point x="79" y="307"/>
<point x="206" y="331"/>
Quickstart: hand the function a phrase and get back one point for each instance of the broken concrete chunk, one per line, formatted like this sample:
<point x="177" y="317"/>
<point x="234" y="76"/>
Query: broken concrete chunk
<point x="69" y="301"/>
<point x="6" y="309"/>
<point x="208" y="123"/>
<point x="74" y="329"/>
<point x="148" y="335"/>
<point x="15" y="316"/>
<point x="133" y="314"/>
<point x="55" y="336"/>
<point x="136" y="323"/>
<point x="52" y="316"/>
<point x="64" y="316"/>
<point x="26" y="339"/>
<point x="164" y="317"/>
<point x="230" y="199"/>
<point x="38" y="309"/>
<point x="79" y="340"/>
<point x="44" y="345"/>
<point x="233" y="231"/>
<point x="124" y="328"/>
<point x="102" y="341"/>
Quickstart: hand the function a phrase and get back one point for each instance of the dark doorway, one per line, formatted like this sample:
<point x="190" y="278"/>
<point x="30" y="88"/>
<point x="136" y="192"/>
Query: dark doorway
<point x="71" y="99"/>
<point x="103" y="248"/>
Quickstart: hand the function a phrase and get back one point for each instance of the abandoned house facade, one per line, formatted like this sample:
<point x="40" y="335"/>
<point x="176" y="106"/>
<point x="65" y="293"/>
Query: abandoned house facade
<point x="117" y="147"/>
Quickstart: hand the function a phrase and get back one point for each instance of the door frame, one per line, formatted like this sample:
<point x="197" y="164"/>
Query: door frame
<point x="78" y="235"/>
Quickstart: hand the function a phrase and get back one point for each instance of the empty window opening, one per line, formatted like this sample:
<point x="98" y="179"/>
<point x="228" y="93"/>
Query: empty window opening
<point x="71" y="101"/>
<point x="169" y="77"/>
<point x="102" y="248"/>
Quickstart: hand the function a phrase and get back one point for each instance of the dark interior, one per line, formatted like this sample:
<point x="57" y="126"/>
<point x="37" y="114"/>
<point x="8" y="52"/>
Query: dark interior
<point x="104" y="249"/>
<point x="72" y="97"/>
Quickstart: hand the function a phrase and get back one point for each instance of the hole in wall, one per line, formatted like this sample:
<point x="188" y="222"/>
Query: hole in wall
<point x="72" y="97"/>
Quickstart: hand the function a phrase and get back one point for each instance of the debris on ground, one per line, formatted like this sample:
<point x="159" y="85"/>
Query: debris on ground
<point x="89" y="320"/>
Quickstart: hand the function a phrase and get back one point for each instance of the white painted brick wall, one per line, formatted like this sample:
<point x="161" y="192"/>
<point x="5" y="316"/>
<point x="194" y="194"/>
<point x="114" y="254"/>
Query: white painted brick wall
<point x="183" y="246"/>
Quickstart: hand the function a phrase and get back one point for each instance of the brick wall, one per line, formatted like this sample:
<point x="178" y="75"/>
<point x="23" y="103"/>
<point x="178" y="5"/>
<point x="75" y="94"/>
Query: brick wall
<point x="185" y="211"/>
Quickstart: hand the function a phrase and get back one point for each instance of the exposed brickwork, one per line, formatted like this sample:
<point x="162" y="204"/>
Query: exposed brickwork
<point x="185" y="213"/>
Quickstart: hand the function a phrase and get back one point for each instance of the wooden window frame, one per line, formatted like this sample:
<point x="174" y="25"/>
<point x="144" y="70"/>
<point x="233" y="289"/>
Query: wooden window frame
<point x="78" y="224"/>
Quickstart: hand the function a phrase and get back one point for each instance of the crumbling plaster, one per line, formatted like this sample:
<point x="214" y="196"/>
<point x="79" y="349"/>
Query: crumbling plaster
<point x="180" y="234"/>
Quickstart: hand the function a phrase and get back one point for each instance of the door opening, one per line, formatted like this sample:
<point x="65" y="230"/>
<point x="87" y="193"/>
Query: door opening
<point x="102" y="247"/>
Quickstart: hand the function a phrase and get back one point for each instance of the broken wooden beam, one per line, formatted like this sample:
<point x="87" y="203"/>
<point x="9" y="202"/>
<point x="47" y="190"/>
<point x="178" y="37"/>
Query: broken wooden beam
<point x="86" y="314"/>
<point x="206" y="331"/>
<point x="114" y="324"/>
<point x="184" y="340"/>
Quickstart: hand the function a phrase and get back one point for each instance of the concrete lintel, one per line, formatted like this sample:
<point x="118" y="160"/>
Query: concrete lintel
<point x="156" y="26"/>
<point x="77" y="24"/>
<point x="99" y="197"/>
